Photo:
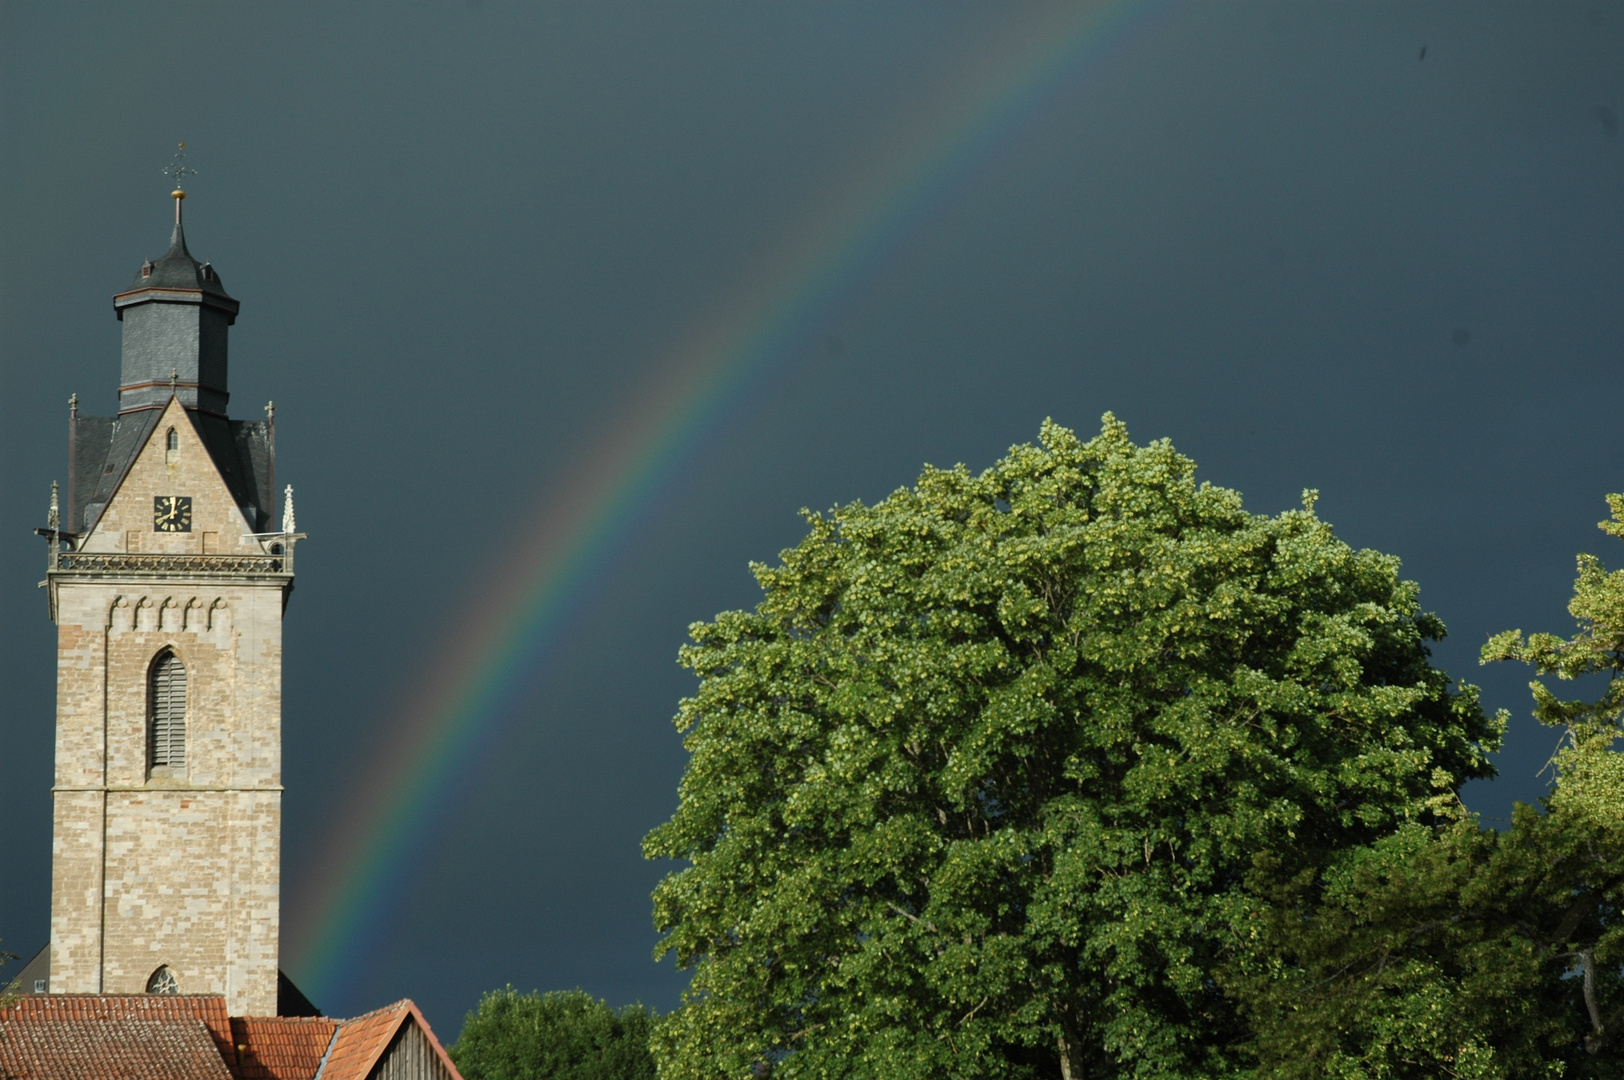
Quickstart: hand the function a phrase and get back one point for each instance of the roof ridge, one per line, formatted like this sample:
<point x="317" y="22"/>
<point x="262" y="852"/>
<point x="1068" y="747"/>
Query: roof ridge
<point x="97" y="994"/>
<point x="287" y="1020"/>
<point x="403" y="1003"/>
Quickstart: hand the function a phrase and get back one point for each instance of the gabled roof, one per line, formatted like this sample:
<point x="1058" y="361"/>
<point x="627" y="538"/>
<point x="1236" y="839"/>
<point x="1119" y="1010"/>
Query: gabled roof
<point x="128" y="1037"/>
<point x="111" y="1049"/>
<point x="104" y="447"/>
<point x="189" y="1037"/>
<point x="281" y="1047"/>
<point x="36" y="970"/>
<point x="363" y="1040"/>
<point x="209" y="1009"/>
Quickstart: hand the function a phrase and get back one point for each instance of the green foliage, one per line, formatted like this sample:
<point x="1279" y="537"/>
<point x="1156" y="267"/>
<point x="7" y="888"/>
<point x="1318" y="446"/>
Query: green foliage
<point x="1596" y="649"/>
<point x="977" y="789"/>
<point x="8" y="994"/>
<point x="1449" y="951"/>
<point x="559" y="1036"/>
<point x="1459" y="951"/>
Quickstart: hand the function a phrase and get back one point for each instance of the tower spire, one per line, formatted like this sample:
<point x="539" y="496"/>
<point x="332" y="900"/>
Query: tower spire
<point x="175" y="313"/>
<point x="179" y="171"/>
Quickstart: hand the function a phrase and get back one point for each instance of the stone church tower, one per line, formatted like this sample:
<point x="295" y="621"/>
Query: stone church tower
<point x="168" y="579"/>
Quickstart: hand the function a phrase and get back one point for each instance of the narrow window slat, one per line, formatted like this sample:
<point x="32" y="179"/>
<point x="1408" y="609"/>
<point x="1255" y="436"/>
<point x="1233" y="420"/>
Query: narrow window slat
<point x="167" y="711"/>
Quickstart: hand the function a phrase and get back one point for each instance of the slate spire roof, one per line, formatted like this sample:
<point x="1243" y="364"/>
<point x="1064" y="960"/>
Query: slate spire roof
<point x="177" y="269"/>
<point x="176" y="314"/>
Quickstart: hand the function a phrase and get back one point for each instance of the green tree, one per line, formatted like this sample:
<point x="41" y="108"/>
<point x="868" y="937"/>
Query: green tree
<point x="1450" y="951"/>
<point x="8" y="993"/>
<point x="1457" y="950"/>
<point x="976" y="789"/>
<point x="1589" y="799"/>
<point x="566" y="1035"/>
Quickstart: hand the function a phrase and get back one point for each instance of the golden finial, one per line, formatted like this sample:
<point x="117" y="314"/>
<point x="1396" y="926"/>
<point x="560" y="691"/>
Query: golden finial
<point x="179" y="170"/>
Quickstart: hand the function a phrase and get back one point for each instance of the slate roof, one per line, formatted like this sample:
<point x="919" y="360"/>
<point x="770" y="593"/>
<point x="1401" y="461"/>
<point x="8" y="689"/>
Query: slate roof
<point x="37" y="969"/>
<point x="102" y="449"/>
<point x="290" y="1000"/>
<point x="176" y="269"/>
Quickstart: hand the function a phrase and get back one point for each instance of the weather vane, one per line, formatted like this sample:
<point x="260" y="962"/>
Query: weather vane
<point x="179" y="171"/>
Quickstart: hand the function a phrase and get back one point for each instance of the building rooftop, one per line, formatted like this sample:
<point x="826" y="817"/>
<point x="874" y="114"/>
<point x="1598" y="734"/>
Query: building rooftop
<point x="190" y="1037"/>
<point x="176" y="269"/>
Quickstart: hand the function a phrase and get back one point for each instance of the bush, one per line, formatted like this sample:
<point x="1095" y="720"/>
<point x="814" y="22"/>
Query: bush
<point x="565" y="1035"/>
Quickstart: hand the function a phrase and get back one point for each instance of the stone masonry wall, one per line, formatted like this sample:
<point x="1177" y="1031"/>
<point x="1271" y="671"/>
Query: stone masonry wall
<point x="169" y="865"/>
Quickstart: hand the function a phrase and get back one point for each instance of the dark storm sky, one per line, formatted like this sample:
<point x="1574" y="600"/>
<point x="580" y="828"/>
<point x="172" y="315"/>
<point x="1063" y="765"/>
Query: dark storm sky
<point x="462" y="233"/>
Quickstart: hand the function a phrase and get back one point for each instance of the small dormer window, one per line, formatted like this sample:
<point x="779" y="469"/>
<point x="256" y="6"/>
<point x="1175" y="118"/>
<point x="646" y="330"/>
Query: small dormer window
<point x="208" y="272"/>
<point x="146" y="269"/>
<point x="174" y="440"/>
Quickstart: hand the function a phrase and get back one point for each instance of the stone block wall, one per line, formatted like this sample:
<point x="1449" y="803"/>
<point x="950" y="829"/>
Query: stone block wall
<point x="178" y="865"/>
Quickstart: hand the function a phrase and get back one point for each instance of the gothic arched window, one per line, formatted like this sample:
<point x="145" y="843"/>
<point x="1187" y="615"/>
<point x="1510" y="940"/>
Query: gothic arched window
<point x="166" y="711"/>
<point x="163" y="981"/>
<point x="174" y="440"/>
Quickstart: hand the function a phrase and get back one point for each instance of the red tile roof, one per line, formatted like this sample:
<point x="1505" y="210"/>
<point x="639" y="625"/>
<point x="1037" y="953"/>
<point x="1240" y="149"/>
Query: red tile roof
<point x="189" y="1037"/>
<point x="209" y="1008"/>
<point x="280" y="1048"/>
<point x="362" y="1041"/>
<point x="74" y="1049"/>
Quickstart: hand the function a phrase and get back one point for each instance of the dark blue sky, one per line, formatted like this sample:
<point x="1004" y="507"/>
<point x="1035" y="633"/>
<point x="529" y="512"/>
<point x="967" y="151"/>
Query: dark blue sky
<point x="461" y="233"/>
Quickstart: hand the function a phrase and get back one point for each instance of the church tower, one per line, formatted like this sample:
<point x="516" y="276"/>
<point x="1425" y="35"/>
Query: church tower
<point x="168" y="579"/>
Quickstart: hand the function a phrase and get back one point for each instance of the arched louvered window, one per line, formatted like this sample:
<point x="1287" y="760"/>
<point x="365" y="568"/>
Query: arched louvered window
<point x="163" y="981"/>
<point x="166" y="711"/>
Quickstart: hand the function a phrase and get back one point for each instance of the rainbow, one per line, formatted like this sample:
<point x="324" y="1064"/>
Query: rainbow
<point x="710" y="372"/>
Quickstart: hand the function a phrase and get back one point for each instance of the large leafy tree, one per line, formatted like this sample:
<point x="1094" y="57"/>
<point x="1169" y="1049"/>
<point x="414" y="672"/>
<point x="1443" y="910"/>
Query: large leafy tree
<point x="565" y="1035"/>
<point x="1453" y="951"/>
<point x="976" y="790"/>
<point x="1461" y="951"/>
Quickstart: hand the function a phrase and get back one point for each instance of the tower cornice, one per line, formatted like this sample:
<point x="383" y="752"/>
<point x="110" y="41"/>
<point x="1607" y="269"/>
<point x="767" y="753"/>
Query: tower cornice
<point x="163" y="294"/>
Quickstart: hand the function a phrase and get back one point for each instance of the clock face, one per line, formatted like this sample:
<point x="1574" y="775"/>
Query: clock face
<point x="172" y="513"/>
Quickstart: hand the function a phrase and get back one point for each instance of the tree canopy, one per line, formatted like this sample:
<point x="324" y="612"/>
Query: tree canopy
<point x="996" y="778"/>
<point x="565" y="1035"/>
<point x="1462" y="951"/>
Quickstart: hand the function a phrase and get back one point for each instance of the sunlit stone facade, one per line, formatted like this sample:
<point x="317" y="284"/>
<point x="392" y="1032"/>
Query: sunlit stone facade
<point x="166" y="546"/>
